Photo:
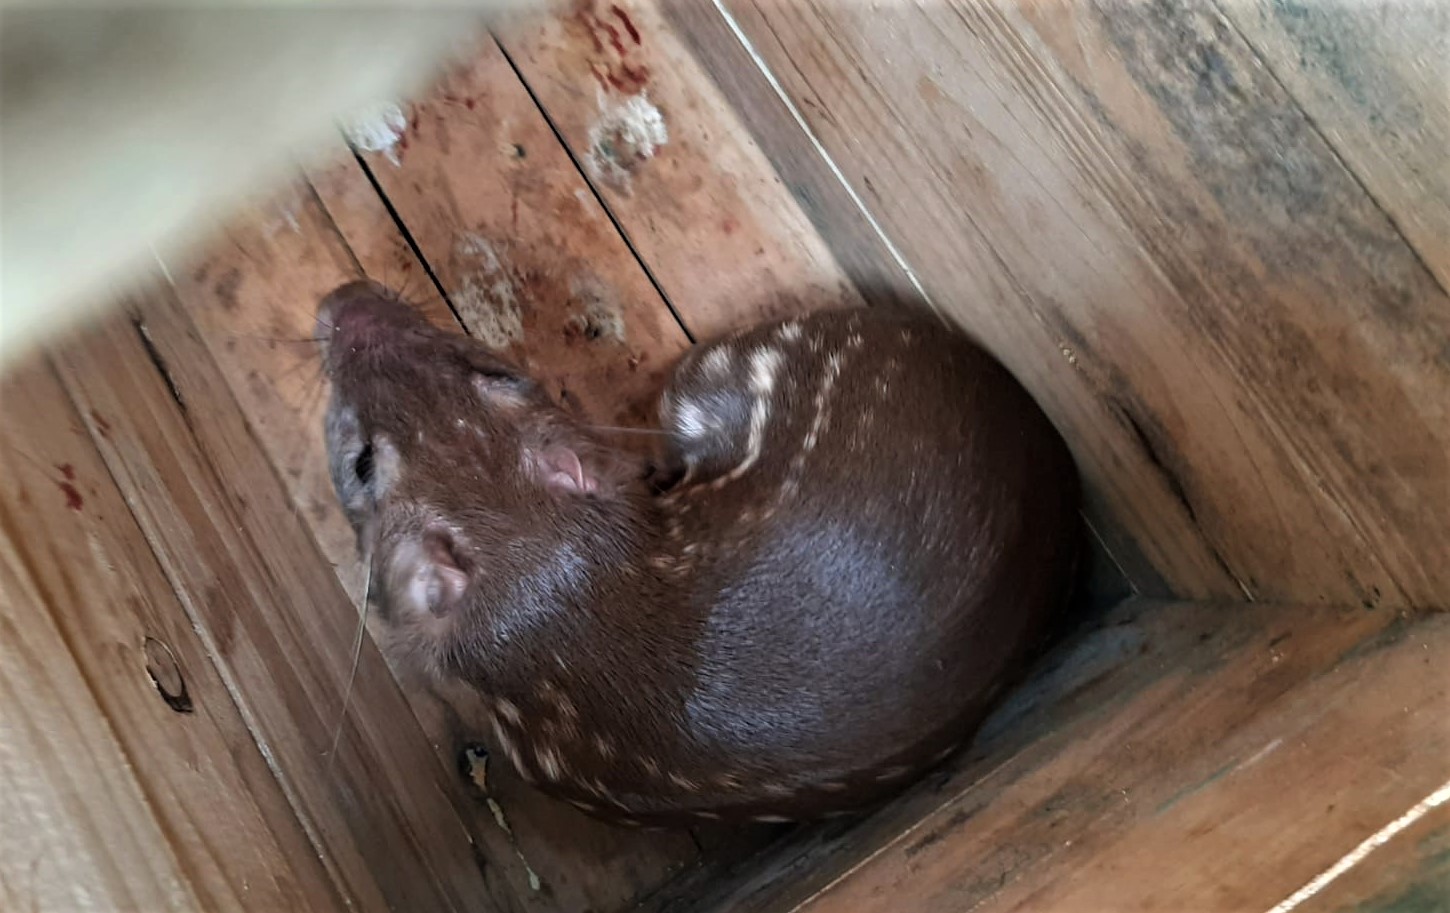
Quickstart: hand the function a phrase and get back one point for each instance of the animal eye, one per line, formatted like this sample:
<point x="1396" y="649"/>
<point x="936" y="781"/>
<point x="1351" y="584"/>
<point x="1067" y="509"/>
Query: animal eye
<point x="363" y="466"/>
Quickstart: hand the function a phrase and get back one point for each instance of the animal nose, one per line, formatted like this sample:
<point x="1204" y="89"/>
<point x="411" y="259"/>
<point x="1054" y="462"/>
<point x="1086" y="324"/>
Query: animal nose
<point x="346" y="307"/>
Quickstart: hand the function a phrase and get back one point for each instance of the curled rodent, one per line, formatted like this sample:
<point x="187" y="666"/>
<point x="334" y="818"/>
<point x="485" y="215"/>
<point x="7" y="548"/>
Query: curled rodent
<point x="858" y="531"/>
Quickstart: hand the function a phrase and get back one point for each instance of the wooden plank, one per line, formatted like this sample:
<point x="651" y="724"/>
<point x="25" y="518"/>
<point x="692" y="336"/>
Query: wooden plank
<point x="78" y="831"/>
<point x="528" y="258"/>
<point x="94" y="595"/>
<point x="582" y="862"/>
<point x="863" y="253"/>
<point x="1377" y="85"/>
<point x="1247" y="356"/>
<point x="252" y="298"/>
<point x="252" y="294"/>
<point x="1408" y="872"/>
<point x="1156" y="763"/>
<point x="700" y="204"/>
<point x="381" y="810"/>
<point x="1117" y="566"/>
<point x="1183" y="801"/>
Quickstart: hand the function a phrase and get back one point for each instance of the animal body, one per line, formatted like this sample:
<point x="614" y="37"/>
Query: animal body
<point x="862" y="528"/>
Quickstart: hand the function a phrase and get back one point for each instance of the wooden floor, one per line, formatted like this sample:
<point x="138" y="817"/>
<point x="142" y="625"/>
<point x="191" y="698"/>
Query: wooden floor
<point x="1210" y="238"/>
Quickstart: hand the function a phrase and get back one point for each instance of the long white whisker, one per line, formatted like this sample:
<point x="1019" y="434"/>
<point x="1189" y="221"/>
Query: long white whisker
<point x="619" y="429"/>
<point x="362" y="619"/>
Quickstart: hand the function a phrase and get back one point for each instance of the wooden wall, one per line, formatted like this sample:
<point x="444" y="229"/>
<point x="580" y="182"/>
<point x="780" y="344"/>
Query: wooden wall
<point x="1209" y="236"/>
<point x="187" y="566"/>
<point x="1211" y="239"/>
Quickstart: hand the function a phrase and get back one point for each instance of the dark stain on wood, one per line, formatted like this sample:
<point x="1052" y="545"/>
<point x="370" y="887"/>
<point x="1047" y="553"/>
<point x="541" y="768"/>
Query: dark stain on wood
<point x="73" y="499"/>
<point x="611" y="62"/>
<point x="160" y="363"/>
<point x="226" y="288"/>
<point x="165" y="673"/>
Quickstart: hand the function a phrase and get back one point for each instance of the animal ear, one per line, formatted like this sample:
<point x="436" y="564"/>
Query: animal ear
<point x="558" y="467"/>
<point x="506" y="391"/>
<point x="435" y="583"/>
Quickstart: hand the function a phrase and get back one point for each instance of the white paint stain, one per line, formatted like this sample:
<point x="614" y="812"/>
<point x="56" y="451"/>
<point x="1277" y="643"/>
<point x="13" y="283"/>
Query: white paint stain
<point x="535" y="883"/>
<point x="487" y="298"/>
<point x="627" y="132"/>
<point x="377" y="129"/>
<point x="599" y="317"/>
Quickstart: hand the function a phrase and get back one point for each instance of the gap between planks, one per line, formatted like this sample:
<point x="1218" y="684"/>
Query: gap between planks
<point x="594" y="190"/>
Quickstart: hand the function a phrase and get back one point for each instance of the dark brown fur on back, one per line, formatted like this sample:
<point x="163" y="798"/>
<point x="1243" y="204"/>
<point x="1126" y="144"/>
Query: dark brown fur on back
<point x="868" y="526"/>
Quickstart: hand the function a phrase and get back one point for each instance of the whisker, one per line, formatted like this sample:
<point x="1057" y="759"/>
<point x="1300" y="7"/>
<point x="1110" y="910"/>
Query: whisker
<point x="311" y="395"/>
<point x="290" y="340"/>
<point x="47" y="470"/>
<point x="302" y="362"/>
<point x="362" y="619"/>
<point x="620" y="429"/>
<point x="306" y="409"/>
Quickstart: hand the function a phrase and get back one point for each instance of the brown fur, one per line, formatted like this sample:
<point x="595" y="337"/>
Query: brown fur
<point x="786" y="634"/>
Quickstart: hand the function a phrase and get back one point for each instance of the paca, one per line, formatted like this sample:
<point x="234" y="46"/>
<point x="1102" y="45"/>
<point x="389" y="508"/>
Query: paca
<point x="864" y="529"/>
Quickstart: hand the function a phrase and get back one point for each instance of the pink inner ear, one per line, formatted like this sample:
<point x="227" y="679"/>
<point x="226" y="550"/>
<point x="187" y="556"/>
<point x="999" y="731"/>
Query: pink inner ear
<point x="559" y="467"/>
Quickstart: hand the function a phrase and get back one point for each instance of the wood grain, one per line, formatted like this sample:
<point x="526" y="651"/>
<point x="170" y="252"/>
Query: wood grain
<point x="1117" y="565"/>
<point x="252" y="295"/>
<point x="525" y="254"/>
<point x="1161" y="732"/>
<point x="78" y="830"/>
<point x="1220" y="772"/>
<point x="1375" y="81"/>
<point x="90" y="574"/>
<point x="705" y="212"/>
<point x="581" y="862"/>
<point x="78" y="833"/>
<point x="1248" y="358"/>
<point x="380" y="809"/>
<point x="862" y="252"/>
<point x="1409" y="873"/>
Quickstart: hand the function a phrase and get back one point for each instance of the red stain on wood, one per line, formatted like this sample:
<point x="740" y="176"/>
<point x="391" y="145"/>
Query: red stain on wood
<point x="67" y="470"/>
<point x="610" y="61"/>
<point x="586" y="18"/>
<point x="73" y="498"/>
<point x="614" y="38"/>
<point x="624" y="19"/>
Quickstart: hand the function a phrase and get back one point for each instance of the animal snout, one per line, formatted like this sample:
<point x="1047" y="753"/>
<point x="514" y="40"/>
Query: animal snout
<point x="356" y="312"/>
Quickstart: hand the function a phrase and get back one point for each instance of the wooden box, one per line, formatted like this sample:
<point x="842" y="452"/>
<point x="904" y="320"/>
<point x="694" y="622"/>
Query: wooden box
<point x="1212" y="238"/>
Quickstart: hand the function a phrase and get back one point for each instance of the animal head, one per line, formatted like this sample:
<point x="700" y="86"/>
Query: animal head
<point x="460" y="476"/>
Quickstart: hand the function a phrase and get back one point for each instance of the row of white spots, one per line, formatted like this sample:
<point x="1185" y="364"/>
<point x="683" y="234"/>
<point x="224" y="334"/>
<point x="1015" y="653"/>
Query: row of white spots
<point x="818" y="423"/>
<point x="764" y="365"/>
<point x="716" y="361"/>
<point x="690" y="420"/>
<point x="549" y="763"/>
